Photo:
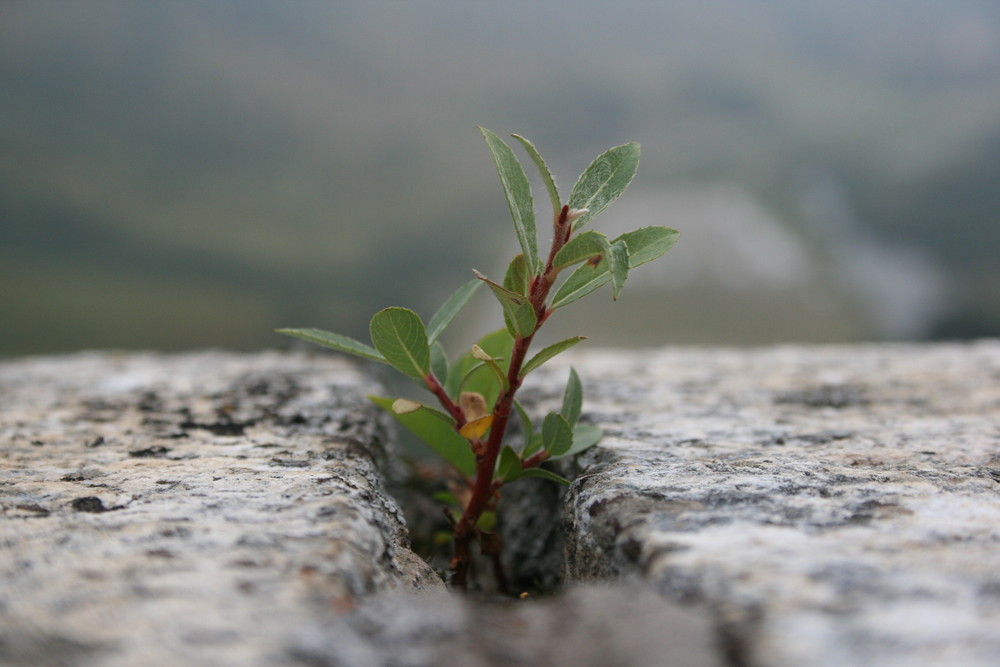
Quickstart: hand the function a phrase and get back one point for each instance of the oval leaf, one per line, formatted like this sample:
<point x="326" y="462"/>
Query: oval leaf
<point x="604" y="181"/>
<point x="399" y="336"/>
<point x="517" y="190"/>
<point x="580" y="247"/>
<point x="557" y="434"/>
<point x="648" y="243"/>
<point x="572" y="398"/>
<point x="516" y="278"/>
<point x="335" y="342"/>
<point x="497" y="344"/>
<point x="519" y="314"/>
<point x="584" y="437"/>
<point x="618" y="263"/>
<point x="437" y="430"/>
<point x="549" y="352"/>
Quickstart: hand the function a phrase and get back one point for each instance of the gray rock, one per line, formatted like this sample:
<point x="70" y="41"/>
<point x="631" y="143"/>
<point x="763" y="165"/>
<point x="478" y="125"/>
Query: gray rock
<point x="194" y="509"/>
<point x="589" y="626"/>
<point x="831" y="505"/>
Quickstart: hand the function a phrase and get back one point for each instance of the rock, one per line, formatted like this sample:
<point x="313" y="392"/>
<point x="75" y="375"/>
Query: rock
<point x="189" y="509"/>
<point x="590" y="626"/>
<point x="830" y="505"/>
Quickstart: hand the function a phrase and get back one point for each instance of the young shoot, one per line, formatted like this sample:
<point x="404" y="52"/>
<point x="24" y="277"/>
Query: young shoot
<point x="473" y="396"/>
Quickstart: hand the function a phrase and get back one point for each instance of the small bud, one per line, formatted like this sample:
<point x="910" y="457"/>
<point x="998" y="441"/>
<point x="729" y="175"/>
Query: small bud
<point x="480" y="354"/>
<point x="575" y="213"/>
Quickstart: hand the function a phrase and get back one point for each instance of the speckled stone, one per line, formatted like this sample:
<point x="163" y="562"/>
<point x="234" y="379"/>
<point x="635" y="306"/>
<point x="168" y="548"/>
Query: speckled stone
<point x="832" y="505"/>
<point x="193" y="509"/>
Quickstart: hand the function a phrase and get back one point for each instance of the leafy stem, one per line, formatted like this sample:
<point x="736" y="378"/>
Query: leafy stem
<point x="477" y="390"/>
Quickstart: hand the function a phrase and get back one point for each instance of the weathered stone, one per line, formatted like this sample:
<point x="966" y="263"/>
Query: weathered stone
<point x="832" y="505"/>
<point x="189" y="509"/>
<point x="587" y="627"/>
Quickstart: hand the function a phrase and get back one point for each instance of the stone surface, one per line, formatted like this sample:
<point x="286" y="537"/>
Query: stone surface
<point x="195" y="509"/>
<point x="587" y="627"/>
<point x="831" y="505"/>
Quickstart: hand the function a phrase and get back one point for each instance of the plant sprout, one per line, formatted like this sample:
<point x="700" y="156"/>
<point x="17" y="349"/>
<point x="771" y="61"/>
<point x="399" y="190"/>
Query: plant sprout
<point x="475" y="394"/>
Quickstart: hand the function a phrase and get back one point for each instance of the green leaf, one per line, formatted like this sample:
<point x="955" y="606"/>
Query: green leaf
<point x="545" y="474"/>
<point x="517" y="278"/>
<point x="648" y="243"/>
<point x="518" y="193"/>
<point x="572" y="398"/>
<point x="604" y="181"/>
<point x="644" y="245"/>
<point x="449" y="309"/>
<point x="584" y="437"/>
<point x="509" y="466"/>
<point x="498" y="344"/>
<point x="547" y="353"/>
<point x="335" y="342"/>
<point x="618" y="261"/>
<point x="439" y="362"/>
<point x="519" y="314"/>
<point x="437" y="430"/>
<point x="527" y="429"/>
<point x="557" y="434"/>
<point x="546" y="175"/>
<point x="494" y="365"/>
<point x="584" y="280"/>
<point x="580" y="247"/>
<point x="399" y="335"/>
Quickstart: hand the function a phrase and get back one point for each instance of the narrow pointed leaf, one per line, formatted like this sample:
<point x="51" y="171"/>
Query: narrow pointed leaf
<point x="450" y="308"/>
<point x="557" y="434"/>
<point x="509" y="465"/>
<point x="618" y="263"/>
<point x="517" y="279"/>
<point x="644" y="245"/>
<point x="604" y="181"/>
<point x="335" y="342"/>
<point x="648" y="243"/>
<point x="572" y="398"/>
<point x="437" y="430"/>
<point x="544" y="474"/>
<point x="517" y="190"/>
<point x="547" y="353"/>
<point x="584" y="437"/>
<point x="584" y="280"/>
<point x="580" y="247"/>
<point x="518" y="312"/>
<point x="543" y="170"/>
<point x="399" y="336"/>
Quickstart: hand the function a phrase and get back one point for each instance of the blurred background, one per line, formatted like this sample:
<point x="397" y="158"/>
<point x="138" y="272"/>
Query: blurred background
<point x="177" y="175"/>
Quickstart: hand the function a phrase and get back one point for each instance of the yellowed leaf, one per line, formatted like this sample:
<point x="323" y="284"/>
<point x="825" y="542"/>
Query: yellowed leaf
<point x="475" y="429"/>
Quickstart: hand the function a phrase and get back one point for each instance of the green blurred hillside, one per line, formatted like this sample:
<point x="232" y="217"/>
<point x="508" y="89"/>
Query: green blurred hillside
<point x="178" y="175"/>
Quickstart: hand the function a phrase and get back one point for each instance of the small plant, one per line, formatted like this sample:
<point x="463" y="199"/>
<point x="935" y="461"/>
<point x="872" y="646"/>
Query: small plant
<point x="477" y="391"/>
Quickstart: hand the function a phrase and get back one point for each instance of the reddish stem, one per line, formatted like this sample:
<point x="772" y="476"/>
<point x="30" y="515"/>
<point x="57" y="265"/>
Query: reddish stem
<point x="485" y="486"/>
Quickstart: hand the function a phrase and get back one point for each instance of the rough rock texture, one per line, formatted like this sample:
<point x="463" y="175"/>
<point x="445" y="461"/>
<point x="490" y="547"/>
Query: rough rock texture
<point x="831" y="505"/>
<point x="193" y="509"/>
